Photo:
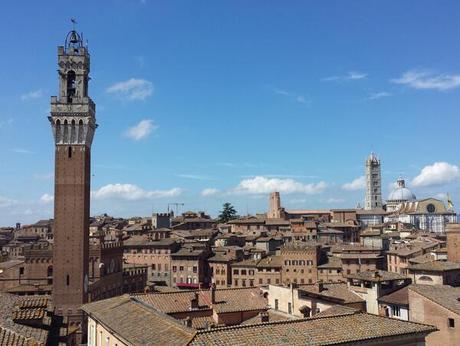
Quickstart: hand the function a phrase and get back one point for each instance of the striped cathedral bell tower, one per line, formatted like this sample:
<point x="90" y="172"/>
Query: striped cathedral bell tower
<point x="73" y="123"/>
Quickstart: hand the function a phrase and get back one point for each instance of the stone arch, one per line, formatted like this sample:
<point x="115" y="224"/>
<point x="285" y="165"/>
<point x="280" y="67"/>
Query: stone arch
<point x="66" y="132"/>
<point x="71" y="85"/>
<point x="58" y="131"/>
<point x="73" y="132"/>
<point x="80" y="131"/>
<point x="425" y="278"/>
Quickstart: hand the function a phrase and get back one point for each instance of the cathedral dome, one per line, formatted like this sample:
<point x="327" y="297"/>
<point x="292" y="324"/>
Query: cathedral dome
<point x="401" y="193"/>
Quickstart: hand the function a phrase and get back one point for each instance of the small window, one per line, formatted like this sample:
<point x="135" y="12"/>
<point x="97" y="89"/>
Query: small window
<point x="451" y="322"/>
<point x="21" y="270"/>
<point x="68" y="279"/>
<point x="69" y="152"/>
<point x="276" y="304"/>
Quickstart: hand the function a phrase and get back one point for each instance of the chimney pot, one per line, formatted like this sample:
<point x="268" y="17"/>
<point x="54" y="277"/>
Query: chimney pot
<point x="194" y="301"/>
<point x="213" y="293"/>
<point x="188" y="321"/>
<point x="264" y="317"/>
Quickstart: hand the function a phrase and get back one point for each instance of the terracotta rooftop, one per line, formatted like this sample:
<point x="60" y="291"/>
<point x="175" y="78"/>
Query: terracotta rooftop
<point x="143" y="240"/>
<point x="10" y="338"/>
<point x="435" y="266"/>
<point x="444" y="295"/>
<point x="273" y="315"/>
<point x="18" y="306"/>
<point x="333" y="262"/>
<point x="399" y="297"/>
<point x="428" y="257"/>
<point x="376" y="276"/>
<point x="338" y="310"/>
<point x="349" y="328"/>
<point x="336" y="291"/>
<point x="306" y="211"/>
<point x="227" y="300"/>
<point x="270" y="262"/>
<point x="129" y="318"/>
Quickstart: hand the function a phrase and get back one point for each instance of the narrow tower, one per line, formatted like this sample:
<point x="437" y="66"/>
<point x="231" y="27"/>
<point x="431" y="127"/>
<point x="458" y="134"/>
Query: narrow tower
<point x="274" y="206"/>
<point x="373" y="183"/>
<point x="73" y="123"/>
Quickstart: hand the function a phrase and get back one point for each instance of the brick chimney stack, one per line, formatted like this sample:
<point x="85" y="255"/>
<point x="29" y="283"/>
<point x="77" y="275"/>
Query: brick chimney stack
<point x="194" y="301"/>
<point x="213" y="293"/>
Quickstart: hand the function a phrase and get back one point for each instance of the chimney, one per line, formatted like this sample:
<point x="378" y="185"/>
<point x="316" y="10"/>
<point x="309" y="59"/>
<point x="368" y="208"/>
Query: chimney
<point x="264" y="317"/>
<point x="188" y="321"/>
<point x="194" y="301"/>
<point x="213" y="293"/>
<point x="320" y="285"/>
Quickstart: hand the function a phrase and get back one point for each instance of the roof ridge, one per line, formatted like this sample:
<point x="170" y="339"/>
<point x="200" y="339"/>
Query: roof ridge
<point x="418" y="292"/>
<point x="175" y="322"/>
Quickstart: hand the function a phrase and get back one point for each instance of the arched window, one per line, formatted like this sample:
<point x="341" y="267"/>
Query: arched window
<point x="80" y="131"/>
<point x="58" y="131"/>
<point x="71" y="85"/>
<point x="66" y="132"/>
<point x="73" y="132"/>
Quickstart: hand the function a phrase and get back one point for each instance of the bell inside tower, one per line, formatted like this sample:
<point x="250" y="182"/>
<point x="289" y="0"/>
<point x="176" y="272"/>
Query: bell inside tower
<point x="71" y="86"/>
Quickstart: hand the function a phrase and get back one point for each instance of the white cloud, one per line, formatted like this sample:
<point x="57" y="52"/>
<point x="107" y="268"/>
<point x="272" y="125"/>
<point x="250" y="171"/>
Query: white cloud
<point x="352" y="75"/>
<point x="194" y="176"/>
<point x="441" y="196"/>
<point x="357" y="184"/>
<point x="36" y="94"/>
<point x="281" y="92"/>
<point x="226" y="164"/>
<point x="141" y="130"/>
<point x="298" y="98"/>
<point x="22" y="151"/>
<point x="7" y="202"/>
<point x="132" y="192"/>
<point x="296" y="201"/>
<point x="209" y="192"/>
<point x="132" y="89"/>
<point x="262" y="185"/>
<point x="333" y="200"/>
<point x="428" y="80"/>
<point x="378" y="95"/>
<point x="47" y="199"/>
<point x="301" y="99"/>
<point x="3" y="123"/>
<point x="437" y="174"/>
<point x="356" y="75"/>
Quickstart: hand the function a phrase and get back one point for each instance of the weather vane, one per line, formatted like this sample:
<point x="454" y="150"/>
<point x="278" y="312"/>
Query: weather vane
<point x="74" y="21"/>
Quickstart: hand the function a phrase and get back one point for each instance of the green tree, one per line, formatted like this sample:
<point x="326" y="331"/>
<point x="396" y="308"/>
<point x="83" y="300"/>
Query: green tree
<point x="228" y="213"/>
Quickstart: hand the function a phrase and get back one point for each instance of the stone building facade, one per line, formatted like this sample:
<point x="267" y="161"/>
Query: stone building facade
<point x="300" y="263"/>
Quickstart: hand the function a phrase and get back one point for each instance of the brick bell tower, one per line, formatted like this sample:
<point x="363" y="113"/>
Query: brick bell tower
<point x="73" y="123"/>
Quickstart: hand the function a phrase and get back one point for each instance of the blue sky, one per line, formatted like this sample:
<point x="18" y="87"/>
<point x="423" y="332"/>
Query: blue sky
<point x="203" y="102"/>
